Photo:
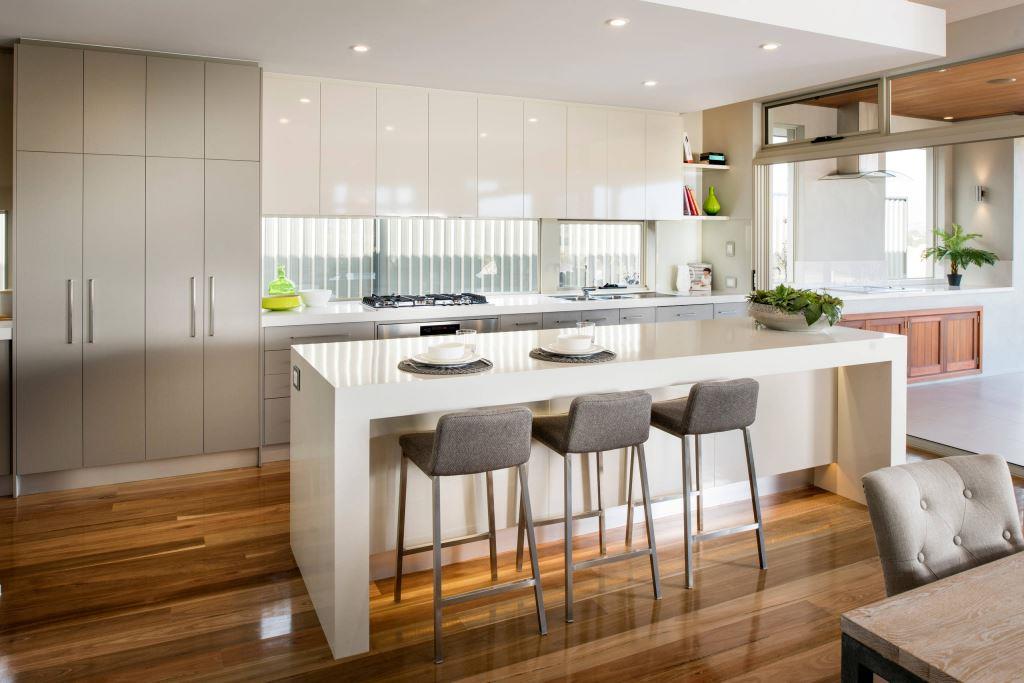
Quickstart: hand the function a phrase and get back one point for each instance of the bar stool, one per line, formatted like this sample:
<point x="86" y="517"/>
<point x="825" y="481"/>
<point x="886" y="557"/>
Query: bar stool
<point x="596" y="423"/>
<point x="711" y="408"/>
<point x="464" y="443"/>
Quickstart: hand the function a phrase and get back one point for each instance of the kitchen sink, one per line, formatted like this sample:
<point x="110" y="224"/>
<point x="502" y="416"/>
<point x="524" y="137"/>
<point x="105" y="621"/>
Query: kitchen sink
<point x="609" y="297"/>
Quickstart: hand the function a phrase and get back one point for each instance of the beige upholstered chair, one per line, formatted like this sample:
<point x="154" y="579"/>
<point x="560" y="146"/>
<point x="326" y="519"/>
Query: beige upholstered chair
<point x="936" y="518"/>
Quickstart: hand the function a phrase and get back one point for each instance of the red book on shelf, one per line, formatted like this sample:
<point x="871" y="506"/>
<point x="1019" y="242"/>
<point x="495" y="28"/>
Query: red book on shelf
<point x="691" y="199"/>
<point x="686" y="201"/>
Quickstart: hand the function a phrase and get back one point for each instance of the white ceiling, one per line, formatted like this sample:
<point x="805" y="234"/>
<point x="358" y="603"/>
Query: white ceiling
<point x="965" y="9"/>
<point x="557" y="49"/>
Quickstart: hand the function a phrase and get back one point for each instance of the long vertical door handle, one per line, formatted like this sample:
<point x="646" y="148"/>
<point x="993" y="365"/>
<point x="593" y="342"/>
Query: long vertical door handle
<point x="192" y="298"/>
<point x="213" y="302"/>
<point x="92" y="308"/>
<point x="69" y="290"/>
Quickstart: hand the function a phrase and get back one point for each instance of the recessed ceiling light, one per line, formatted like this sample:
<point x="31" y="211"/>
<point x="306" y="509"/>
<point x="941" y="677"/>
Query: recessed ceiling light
<point x="360" y="48"/>
<point x="947" y="118"/>
<point x="304" y="100"/>
<point x="532" y="119"/>
<point x="1002" y="81"/>
<point x="283" y="120"/>
<point x="770" y="46"/>
<point x="650" y="84"/>
<point x="617" y="22"/>
<point x="942" y="71"/>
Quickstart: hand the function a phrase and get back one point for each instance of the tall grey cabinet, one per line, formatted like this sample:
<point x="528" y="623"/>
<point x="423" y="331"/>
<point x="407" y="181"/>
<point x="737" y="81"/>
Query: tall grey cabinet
<point x="136" y="252"/>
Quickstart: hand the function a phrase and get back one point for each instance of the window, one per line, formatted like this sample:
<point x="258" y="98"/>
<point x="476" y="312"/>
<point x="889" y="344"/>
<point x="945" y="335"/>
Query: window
<point x="908" y="213"/>
<point x="593" y="254"/>
<point x="831" y="114"/>
<point x="355" y="257"/>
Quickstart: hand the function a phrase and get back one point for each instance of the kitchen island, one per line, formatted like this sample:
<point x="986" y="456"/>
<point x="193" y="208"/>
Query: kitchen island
<point x="835" y="402"/>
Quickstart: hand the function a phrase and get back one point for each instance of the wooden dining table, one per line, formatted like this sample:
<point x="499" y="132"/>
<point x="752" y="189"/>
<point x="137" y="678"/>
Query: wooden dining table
<point x="965" y="627"/>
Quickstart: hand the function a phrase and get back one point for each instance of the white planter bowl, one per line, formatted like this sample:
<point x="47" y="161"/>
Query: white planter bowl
<point x="315" y="297"/>
<point x="774" y="319"/>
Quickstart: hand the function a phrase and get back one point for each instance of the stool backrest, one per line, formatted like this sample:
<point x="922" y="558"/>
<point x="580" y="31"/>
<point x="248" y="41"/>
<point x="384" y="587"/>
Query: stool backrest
<point x="481" y="441"/>
<point x="605" y="422"/>
<point x="939" y="517"/>
<point x="713" y="407"/>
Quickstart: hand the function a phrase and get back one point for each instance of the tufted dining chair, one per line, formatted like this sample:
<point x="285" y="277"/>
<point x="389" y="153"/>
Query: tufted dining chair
<point x="940" y="517"/>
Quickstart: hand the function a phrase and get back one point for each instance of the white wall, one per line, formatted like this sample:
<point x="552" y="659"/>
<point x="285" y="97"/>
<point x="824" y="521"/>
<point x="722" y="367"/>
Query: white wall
<point x="990" y="164"/>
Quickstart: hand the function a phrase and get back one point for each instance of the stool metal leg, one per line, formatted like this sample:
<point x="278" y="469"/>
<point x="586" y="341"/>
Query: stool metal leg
<point x="567" y="460"/>
<point x="645" y="487"/>
<point x="755" y="500"/>
<point x="527" y="517"/>
<point x="400" y="536"/>
<point x="436" y="499"/>
<point x="519" y="539"/>
<point x="687" y="529"/>
<point x="492" y="538"/>
<point x="600" y="506"/>
<point x="629" y="498"/>
<point x="699" y="483"/>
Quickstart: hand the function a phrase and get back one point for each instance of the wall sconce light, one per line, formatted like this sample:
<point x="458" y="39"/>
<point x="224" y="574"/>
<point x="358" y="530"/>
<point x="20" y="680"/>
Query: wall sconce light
<point x="980" y="192"/>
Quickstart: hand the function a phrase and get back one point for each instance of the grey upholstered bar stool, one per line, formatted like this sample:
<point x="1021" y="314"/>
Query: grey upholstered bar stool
<point x="596" y="423"/>
<point x="464" y="443"/>
<point x="710" y="408"/>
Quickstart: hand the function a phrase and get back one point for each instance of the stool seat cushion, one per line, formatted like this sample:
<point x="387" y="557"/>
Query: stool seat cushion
<point x="668" y="415"/>
<point x="418" y="447"/>
<point x="552" y="431"/>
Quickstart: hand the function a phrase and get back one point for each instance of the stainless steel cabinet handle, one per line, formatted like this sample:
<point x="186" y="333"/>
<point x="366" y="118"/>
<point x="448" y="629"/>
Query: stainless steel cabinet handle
<point x="533" y="324"/>
<point x="594" y="320"/>
<point x="632" y="317"/>
<point x="192" y="298"/>
<point x="69" y="290"/>
<point x="92" y="309"/>
<point x="213" y="302"/>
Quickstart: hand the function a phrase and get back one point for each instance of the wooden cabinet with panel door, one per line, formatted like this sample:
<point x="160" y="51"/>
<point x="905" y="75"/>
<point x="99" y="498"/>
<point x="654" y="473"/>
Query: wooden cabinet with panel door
<point x="941" y="343"/>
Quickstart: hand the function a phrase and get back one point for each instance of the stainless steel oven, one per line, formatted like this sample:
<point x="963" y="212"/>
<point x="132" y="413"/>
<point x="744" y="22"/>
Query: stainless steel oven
<point x="428" y="328"/>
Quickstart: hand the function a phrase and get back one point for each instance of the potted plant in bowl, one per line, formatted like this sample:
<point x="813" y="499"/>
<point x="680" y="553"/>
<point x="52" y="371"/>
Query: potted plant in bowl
<point x="794" y="310"/>
<point x="953" y="247"/>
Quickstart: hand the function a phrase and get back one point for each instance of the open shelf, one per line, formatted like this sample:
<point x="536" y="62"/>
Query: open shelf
<point x="712" y="167"/>
<point x="704" y="218"/>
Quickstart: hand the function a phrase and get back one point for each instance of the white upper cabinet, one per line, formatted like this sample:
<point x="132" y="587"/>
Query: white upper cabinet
<point x="49" y="87"/>
<point x="664" y="161"/>
<point x="175" y="106"/>
<point x="587" y="163"/>
<point x="452" y="139"/>
<point x="500" y="157"/>
<point x="348" y="149"/>
<point x="402" y="166"/>
<point x="232" y="111"/>
<point x="626" y="151"/>
<point x="115" y="103"/>
<point x="544" y="160"/>
<point x="291" y="146"/>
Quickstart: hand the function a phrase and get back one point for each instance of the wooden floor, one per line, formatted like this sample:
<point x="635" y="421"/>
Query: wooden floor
<point x="192" y="578"/>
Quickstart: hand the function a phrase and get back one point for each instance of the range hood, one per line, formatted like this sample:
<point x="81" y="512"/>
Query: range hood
<point x="852" y="118"/>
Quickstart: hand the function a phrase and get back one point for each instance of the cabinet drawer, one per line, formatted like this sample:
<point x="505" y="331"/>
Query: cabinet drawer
<point x="695" y="312"/>
<point x="283" y="338"/>
<point x="601" y="316"/>
<point x="277" y="420"/>
<point x="277" y="386"/>
<point x="519" y="322"/>
<point x="635" y="316"/>
<point x="556" y="321"/>
<point x="277" y="362"/>
<point x="732" y="310"/>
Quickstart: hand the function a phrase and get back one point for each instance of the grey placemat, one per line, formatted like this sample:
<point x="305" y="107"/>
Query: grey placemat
<point x="409" y="365"/>
<point x="599" y="357"/>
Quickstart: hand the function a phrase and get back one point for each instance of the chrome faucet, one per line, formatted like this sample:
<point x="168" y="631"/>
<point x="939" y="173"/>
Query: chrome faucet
<point x="586" y="290"/>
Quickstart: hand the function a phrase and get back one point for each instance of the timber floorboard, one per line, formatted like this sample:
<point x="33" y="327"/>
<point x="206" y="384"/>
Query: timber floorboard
<point x="192" y="578"/>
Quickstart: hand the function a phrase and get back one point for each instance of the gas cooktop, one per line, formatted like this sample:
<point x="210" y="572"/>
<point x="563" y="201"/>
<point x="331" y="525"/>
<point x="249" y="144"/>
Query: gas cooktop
<point x="402" y="300"/>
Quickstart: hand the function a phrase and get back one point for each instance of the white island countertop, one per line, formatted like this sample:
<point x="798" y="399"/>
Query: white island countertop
<point x="497" y="304"/>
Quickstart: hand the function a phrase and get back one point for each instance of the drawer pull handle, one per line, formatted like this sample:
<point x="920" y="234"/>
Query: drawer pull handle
<point x="632" y="317"/>
<point x="594" y="320"/>
<point x="530" y="324"/>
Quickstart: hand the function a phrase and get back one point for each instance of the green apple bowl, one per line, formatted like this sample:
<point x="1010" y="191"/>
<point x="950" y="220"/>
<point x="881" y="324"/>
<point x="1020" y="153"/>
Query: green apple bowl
<point x="282" y="302"/>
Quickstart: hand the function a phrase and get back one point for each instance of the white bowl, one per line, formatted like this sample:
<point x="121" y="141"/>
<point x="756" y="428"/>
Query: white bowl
<point x="315" y="297"/>
<point x="573" y="343"/>
<point x="447" y="351"/>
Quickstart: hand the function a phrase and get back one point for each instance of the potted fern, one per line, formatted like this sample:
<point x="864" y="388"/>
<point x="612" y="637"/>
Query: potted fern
<point x="953" y="248"/>
<point x="794" y="310"/>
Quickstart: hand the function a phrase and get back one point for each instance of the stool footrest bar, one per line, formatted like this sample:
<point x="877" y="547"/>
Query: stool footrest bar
<point x="611" y="558"/>
<point x="461" y="540"/>
<point x="728" y="532"/>
<point x="489" y="590"/>
<point x="560" y="520"/>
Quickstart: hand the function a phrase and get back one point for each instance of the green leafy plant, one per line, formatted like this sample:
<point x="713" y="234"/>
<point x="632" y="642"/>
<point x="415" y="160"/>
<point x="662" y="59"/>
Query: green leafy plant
<point x="812" y="305"/>
<point x="953" y="248"/>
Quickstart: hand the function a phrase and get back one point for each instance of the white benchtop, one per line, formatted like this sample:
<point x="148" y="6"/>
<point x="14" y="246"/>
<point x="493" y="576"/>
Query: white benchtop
<point x="916" y="291"/>
<point x="497" y="304"/>
<point x="6" y="329"/>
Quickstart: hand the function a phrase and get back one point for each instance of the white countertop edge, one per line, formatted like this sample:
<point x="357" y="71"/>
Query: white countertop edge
<point x="939" y="290"/>
<point x="498" y="304"/>
<point x="6" y="330"/>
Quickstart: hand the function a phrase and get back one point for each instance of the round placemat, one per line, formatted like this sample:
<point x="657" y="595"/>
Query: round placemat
<point x="599" y="357"/>
<point x="409" y="365"/>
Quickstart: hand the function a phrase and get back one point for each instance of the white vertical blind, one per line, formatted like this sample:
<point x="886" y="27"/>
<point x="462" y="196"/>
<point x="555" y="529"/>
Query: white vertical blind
<point x="320" y="253"/>
<point x="593" y="254"/>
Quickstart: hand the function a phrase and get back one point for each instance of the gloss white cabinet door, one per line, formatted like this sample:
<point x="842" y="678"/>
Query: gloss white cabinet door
<point x="626" y="152"/>
<point x="452" y="139"/>
<point x="348" y="149"/>
<point x="291" y="146"/>
<point x="402" y="168"/>
<point x="664" y="167"/>
<point x="500" y="155"/>
<point x="587" y="163"/>
<point x="544" y="162"/>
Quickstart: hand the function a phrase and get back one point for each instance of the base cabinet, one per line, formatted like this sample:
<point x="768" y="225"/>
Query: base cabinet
<point x="941" y="343"/>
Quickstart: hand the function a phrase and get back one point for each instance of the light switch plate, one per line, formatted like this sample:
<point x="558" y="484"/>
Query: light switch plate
<point x="730" y="282"/>
<point x="730" y="248"/>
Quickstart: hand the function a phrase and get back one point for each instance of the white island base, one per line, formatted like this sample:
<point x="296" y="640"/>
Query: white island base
<point x="835" y="402"/>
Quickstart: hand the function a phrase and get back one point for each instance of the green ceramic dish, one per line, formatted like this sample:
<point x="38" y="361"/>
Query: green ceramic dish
<point x="282" y="303"/>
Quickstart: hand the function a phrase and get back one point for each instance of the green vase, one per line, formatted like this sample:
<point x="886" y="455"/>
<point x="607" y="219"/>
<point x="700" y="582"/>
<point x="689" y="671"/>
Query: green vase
<point x="281" y="285"/>
<point x="711" y="205"/>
